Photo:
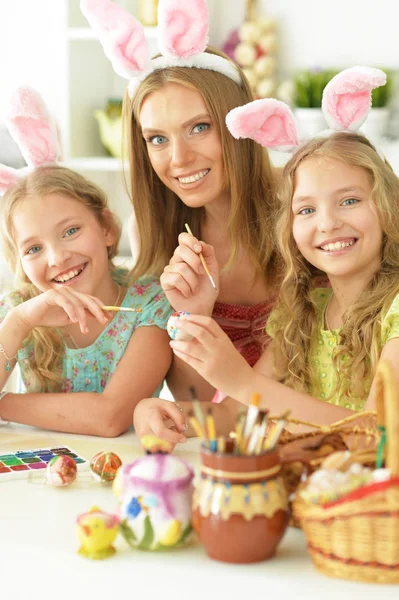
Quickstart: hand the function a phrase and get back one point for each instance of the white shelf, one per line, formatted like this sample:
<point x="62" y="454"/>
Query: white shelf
<point x="95" y="163"/>
<point x="86" y="33"/>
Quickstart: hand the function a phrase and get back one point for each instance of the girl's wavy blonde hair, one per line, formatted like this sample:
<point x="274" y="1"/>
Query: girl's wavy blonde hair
<point x="161" y="214"/>
<point x="45" y="362"/>
<point x="357" y="355"/>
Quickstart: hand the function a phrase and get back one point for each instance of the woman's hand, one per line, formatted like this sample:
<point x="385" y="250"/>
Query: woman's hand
<point x="161" y="418"/>
<point x="184" y="280"/>
<point x="212" y="354"/>
<point x="58" y="308"/>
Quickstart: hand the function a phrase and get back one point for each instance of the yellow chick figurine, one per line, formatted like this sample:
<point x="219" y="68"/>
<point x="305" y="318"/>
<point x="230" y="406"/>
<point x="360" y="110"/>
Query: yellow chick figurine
<point x="96" y="531"/>
<point x="153" y="444"/>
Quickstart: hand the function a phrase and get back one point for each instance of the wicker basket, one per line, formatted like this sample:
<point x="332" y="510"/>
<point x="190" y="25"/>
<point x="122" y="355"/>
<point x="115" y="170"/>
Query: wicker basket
<point x="304" y="451"/>
<point x="357" y="537"/>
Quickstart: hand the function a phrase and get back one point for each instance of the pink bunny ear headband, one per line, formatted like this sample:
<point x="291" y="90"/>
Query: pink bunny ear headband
<point x="35" y="132"/>
<point x="345" y="105"/>
<point x="183" y="36"/>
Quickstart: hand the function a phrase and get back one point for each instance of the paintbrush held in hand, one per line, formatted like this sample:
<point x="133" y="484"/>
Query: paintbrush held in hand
<point x="121" y="309"/>
<point x="202" y="259"/>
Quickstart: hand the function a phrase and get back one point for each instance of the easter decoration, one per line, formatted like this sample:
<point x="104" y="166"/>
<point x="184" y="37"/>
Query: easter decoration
<point x="174" y="331"/>
<point x="350" y="515"/>
<point x="104" y="466"/>
<point x="253" y="46"/>
<point x="155" y="493"/>
<point x="153" y="444"/>
<point x="61" y="470"/>
<point x="97" y="531"/>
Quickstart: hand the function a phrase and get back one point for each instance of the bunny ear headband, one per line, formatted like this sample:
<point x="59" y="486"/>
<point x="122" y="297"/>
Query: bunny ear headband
<point x="182" y="34"/>
<point x="345" y="105"/>
<point x="35" y="132"/>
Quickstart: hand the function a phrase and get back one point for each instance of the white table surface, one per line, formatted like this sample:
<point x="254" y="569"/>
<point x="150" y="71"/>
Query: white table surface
<point x="38" y="545"/>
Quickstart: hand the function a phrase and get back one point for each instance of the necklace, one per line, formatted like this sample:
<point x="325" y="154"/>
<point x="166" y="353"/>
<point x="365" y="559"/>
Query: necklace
<point x="115" y="304"/>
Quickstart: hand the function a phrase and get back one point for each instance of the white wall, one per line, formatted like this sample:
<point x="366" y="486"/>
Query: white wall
<point x="30" y="49"/>
<point x="327" y="33"/>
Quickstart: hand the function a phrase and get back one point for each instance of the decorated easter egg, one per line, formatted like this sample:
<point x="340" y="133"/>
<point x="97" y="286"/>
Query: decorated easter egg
<point x="268" y="42"/>
<point x="245" y="54"/>
<point x="104" y="466"/>
<point x="249" y="32"/>
<point x="265" y="87"/>
<point x="61" y="470"/>
<point x="173" y="327"/>
<point x="251" y="76"/>
<point x="265" y="66"/>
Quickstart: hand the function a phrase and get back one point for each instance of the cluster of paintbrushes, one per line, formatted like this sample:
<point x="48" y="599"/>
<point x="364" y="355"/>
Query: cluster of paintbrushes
<point x="204" y="427"/>
<point x="254" y="433"/>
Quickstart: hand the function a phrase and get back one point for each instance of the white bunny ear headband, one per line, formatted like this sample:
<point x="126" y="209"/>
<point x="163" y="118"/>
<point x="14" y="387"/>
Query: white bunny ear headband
<point x="345" y="105"/>
<point x="35" y="131"/>
<point x="182" y="34"/>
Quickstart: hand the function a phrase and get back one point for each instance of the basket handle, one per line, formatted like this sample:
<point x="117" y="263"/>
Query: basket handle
<point x="387" y="401"/>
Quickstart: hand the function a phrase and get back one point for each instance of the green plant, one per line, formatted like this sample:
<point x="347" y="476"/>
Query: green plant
<point x="309" y="86"/>
<point x="381" y="96"/>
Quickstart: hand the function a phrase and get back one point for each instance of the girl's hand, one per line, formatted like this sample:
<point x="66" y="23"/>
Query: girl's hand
<point x="58" y="308"/>
<point x="184" y="280"/>
<point x="212" y="354"/>
<point x="153" y="416"/>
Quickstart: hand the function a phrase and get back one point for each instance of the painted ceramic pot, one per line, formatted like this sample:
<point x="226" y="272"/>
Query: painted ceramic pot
<point x="240" y="506"/>
<point x="155" y="494"/>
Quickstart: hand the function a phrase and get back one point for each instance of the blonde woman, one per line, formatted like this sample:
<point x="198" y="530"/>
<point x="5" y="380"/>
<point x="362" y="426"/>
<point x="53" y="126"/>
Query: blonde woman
<point x="184" y="167"/>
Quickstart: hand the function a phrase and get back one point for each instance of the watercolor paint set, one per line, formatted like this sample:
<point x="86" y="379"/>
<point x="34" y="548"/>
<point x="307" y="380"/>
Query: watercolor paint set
<point x="22" y="464"/>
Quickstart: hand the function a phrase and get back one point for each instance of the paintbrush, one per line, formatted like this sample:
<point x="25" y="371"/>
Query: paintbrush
<point x="199" y="415"/>
<point x="202" y="259"/>
<point x="252" y="414"/>
<point x="122" y="308"/>
<point x="272" y="439"/>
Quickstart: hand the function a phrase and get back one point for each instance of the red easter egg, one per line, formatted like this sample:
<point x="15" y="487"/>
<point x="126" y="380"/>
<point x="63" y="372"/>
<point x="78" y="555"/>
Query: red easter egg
<point x="61" y="470"/>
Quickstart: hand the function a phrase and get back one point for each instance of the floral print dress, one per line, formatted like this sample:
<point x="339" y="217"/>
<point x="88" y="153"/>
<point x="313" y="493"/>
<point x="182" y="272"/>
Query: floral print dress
<point x="89" y="369"/>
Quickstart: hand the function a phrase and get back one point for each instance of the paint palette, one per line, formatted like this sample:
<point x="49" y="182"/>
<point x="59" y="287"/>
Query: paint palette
<point x="22" y="464"/>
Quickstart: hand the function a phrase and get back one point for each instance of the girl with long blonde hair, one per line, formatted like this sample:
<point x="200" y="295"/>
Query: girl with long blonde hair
<point x="84" y="367"/>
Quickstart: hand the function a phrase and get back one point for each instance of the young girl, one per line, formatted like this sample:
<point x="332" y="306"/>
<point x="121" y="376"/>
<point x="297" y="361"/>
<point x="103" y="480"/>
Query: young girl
<point x="186" y="168"/>
<point x="84" y="368"/>
<point x="339" y="214"/>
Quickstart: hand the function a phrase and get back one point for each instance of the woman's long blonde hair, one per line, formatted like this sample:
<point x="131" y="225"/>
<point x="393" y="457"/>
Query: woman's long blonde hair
<point x="161" y="214"/>
<point x="357" y="355"/>
<point x="45" y="362"/>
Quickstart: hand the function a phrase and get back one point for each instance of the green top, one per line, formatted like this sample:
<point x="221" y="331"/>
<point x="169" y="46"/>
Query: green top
<point x="324" y="378"/>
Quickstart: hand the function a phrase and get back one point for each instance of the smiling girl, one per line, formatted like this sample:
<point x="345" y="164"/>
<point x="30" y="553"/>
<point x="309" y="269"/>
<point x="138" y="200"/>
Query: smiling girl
<point x="84" y="368"/>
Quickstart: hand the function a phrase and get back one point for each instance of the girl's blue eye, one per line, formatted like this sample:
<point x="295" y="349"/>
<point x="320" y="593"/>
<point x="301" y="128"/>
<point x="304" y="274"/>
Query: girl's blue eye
<point x="71" y="231"/>
<point x="201" y="127"/>
<point x="306" y="211"/>
<point x="350" y="201"/>
<point x="157" y="140"/>
<point x="33" y="250"/>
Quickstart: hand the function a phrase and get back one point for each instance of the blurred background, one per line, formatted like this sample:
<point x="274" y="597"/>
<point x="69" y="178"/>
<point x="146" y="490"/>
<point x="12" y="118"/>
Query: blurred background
<point x="288" y="49"/>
